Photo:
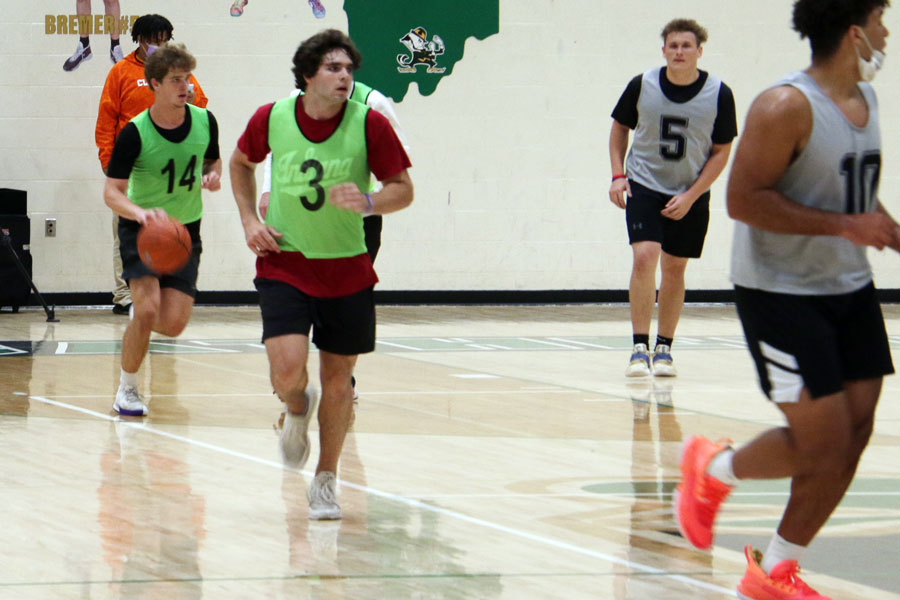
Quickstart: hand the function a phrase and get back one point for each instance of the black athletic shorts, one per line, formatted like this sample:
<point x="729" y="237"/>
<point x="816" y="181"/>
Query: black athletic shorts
<point x="184" y="280"/>
<point x="344" y="325"/>
<point x="817" y="342"/>
<point x="683" y="238"/>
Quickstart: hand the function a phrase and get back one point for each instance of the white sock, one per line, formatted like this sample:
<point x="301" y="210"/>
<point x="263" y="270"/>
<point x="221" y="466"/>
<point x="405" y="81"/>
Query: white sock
<point x="720" y="467"/>
<point x="780" y="549"/>
<point x="128" y="379"/>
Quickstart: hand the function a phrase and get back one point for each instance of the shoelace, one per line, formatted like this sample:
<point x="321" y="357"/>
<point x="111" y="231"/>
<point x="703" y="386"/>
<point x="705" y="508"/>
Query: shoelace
<point x="131" y="394"/>
<point x="324" y="492"/>
<point x="789" y="579"/>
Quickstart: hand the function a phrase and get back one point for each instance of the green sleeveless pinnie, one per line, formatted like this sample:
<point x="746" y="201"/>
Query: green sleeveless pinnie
<point x="168" y="175"/>
<point x="302" y="173"/>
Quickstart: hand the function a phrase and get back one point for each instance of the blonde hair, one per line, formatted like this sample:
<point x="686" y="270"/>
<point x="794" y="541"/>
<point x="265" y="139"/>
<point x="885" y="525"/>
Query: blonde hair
<point x="686" y="25"/>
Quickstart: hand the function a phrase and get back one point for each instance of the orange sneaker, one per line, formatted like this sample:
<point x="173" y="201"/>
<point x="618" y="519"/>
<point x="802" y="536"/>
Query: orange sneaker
<point x="699" y="495"/>
<point x="782" y="584"/>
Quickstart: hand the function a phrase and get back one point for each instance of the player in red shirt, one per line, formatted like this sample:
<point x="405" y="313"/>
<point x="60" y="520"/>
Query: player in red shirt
<point x="313" y="271"/>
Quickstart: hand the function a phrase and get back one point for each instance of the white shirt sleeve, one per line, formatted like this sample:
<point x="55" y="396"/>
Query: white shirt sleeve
<point x="382" y="104"/>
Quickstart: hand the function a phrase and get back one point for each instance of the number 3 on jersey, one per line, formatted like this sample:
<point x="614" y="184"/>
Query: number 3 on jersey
<point x="187" y="178"/>
<point x="860" y="181"/>
<point x="314" y="183"/>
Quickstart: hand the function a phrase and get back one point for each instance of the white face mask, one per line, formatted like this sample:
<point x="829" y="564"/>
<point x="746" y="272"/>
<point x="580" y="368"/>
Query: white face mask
<point x="151" y="49"/>
<point x="868" y="68"/>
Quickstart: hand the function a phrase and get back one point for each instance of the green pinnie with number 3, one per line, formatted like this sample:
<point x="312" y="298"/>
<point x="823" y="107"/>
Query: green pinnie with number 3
<point x="301" y="175"/>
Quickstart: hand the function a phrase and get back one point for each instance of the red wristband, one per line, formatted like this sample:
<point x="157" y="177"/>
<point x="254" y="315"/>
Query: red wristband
<point x="619" y="176"/>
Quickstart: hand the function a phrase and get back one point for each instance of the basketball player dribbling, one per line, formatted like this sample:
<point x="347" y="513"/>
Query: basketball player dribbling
<point x="161" y="160"/>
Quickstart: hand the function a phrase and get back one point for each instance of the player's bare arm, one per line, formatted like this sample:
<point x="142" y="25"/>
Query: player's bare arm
<point x="618" y="145"/>
<point x="396" y="194"/>
<point x="260" y="237"/>
<point x="681" y="203"/>
<point x="778" y="127"/>
<point x="115" y="193"/>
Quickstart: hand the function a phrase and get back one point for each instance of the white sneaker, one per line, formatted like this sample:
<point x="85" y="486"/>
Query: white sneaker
<point x="662" y="362"/>
<point x="294" y="439"/>
<point x="322" y="498"/>
<point x="129" y="403"/>
<point x="116" y="54"/>
<point x="80" y="55"/>
<point x="639" y="364"/>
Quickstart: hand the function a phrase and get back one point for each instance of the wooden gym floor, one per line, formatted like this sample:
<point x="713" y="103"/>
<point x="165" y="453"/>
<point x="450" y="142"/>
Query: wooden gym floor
<point x="498" y="452"/>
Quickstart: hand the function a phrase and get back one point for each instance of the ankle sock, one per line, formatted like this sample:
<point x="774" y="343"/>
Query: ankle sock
<point x="664" y="341"/>
<point x="720" y="467"/>
<point x="641" y="338"/>
<point x="128" y="379"/>
<point x="85" y="42"/>
<point x="780" y="549"/>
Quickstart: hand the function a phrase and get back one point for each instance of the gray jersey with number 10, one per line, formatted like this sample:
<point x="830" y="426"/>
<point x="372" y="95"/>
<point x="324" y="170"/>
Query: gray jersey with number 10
<point x="837" y="171"/>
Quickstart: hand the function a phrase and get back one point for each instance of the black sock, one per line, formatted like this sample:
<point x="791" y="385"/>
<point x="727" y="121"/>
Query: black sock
<point x="664" y="341"/>
<point x="85" y="41"/>
<point x="641" y="338"/>
<point x="113" y="43"/>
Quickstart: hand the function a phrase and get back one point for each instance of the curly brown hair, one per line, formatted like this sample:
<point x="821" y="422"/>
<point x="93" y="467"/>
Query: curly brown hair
<point x="309" y="55"/>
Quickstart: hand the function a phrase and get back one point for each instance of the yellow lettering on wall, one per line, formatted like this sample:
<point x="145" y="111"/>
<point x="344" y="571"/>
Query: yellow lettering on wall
<point x="84" y="25"/>
<point x="88" y="24"/>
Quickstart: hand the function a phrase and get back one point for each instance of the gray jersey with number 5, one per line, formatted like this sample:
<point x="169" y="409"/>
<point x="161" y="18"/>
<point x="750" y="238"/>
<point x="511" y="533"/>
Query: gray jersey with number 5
<point x="837" y="171"/>
<point x="672" y="140"/>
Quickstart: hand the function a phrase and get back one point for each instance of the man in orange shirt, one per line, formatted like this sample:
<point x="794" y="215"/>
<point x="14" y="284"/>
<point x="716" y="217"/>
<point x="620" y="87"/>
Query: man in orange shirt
<point x="125" y="94"/>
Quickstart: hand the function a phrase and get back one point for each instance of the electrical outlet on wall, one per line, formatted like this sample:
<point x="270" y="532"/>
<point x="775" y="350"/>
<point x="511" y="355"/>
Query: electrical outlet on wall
<point x="49" y="227"/>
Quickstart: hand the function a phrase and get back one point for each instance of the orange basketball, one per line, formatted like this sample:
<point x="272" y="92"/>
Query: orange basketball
<point x="164" y="245"/>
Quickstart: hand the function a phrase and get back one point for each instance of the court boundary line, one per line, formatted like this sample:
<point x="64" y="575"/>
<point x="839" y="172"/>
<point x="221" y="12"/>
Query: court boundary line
<point x="542" y="540"/>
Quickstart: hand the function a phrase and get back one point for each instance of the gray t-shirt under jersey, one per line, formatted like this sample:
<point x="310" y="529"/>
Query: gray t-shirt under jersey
<point x="837" y="171"/>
